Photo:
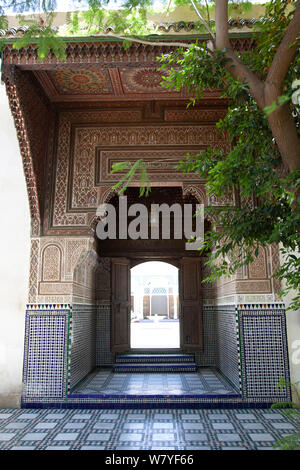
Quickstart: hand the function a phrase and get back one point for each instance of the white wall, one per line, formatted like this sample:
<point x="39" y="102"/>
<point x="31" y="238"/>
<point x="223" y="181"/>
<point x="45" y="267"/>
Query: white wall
<point x="14" y="259"/>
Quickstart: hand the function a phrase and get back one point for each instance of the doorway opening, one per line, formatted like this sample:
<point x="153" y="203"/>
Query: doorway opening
<point x="154" y="306"/>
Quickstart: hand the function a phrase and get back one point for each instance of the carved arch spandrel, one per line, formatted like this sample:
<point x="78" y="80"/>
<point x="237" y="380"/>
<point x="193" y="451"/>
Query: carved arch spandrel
<point x="198" y="192"/>
<point x="29" y="109"/>
<point x="26" y="155"/>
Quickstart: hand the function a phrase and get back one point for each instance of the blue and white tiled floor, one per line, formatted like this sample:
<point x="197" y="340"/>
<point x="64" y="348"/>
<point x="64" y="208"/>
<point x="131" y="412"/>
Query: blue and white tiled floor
<point x="206" y="381"/>
<point x="179" y="429"/>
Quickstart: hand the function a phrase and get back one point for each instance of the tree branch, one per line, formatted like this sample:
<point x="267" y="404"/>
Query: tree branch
<point x="168" y="7"/>
<point x="207" y="11"/>
<point x="235" y="67"/>
<point x="283" y="58"/>
<point x="203" y="22"/>
<point x="149" y="43"/>
<point x="281" y="120"/>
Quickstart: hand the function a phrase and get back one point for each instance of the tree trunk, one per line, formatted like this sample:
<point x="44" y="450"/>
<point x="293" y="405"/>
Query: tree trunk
<point x="281" y="120"/>
<point x="285" y="133"/>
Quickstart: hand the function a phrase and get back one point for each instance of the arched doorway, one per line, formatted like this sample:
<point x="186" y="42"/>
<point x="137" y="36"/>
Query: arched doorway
<point x="190" y="303"/>
<point x="126" y="253"/>
<point x="154" y="306"/>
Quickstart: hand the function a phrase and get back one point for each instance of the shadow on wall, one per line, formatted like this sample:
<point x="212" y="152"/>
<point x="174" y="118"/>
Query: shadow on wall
<point x="91" y="283"/>
<point x="85" y="278"/>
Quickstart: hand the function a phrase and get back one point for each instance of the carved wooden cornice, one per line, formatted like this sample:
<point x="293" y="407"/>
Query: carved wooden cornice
<point x="105" y="53"/>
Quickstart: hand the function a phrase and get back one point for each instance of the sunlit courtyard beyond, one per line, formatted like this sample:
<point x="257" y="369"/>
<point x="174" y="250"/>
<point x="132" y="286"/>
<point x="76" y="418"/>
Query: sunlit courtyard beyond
<point x="154" y="306"/>
<point x="162" y="334"/>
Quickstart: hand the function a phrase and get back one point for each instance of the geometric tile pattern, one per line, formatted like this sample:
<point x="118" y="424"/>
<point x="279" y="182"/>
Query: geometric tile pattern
<point x="264" y="360"/>
<point x="208" y="356"/>
<point x="264" y="351"/>
<point x="83" y="356"/>
<point x="228" y="344"/>
<point x="151" y="429"/>
<point x="45" y="356"/>
<point x="76" y="190"/>
<point x="103" y="353"/>
<point x="205" y="382"/>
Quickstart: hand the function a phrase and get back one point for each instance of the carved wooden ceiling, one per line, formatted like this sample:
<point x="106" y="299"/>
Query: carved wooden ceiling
<point x="84" y="83"/>
<point x="102" y="71"/>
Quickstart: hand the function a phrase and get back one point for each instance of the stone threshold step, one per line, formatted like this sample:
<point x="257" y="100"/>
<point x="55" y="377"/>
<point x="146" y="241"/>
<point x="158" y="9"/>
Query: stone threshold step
<point x="155" y="368"/>
<point x="155" y="358"/>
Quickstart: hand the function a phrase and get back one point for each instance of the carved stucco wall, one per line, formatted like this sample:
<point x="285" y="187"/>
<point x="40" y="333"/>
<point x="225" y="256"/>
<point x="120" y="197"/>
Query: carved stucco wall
<point x="85" y="156"/>
<point x="81" y="179"/>
<point x="76" y="178"/>
<point x="252" y="283"/>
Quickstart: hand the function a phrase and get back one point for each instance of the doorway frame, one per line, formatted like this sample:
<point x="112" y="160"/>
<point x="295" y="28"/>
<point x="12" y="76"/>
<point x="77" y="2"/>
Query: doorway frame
<point x="174" y="261"/>
<point x="186" y="304"/>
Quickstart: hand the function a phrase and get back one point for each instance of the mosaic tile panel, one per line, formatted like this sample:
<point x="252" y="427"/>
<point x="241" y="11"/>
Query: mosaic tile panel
<point x="264" y="350"/>
<point x="208" y="357"/>
<point x="228" y="347"/>
<point x="262" y="335"/>
<point x="83" y="351"/>
<point x="45" y="356"/>
<point x="104" y="357"/>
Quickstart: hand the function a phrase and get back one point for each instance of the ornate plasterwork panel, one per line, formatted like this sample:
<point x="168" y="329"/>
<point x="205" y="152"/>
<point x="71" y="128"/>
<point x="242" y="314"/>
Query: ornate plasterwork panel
<point x="160" y="163"/>
<point x="53" y="261"/>
<point x="66" y="270"/>
<point x="214" y="200"/>
<point x="275" y="265"/>
<point x="259" y="286"/>
<point x="255" y="283"/>
<point x="244" y="287"/>
<point x="254" y="279"/>
<point x="85" y="154"/>
<point x="91" y="279"/>
<point x="205" y="115"/>
<point x="258" y="268"/>
<point x="33" y="274"/>
<point x="198" y="191"/>
<point x="74" y="248"/>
